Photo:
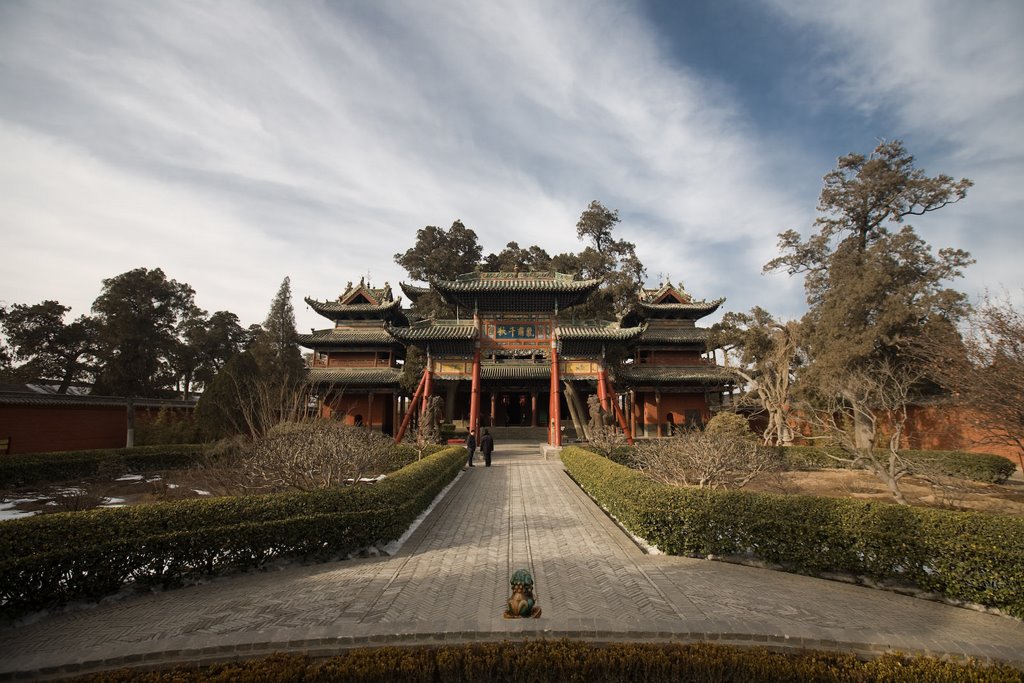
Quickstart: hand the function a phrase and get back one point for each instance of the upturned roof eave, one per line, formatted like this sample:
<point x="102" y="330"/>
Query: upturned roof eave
<point x="690" y="311"/>
<point x="335" y="310"/>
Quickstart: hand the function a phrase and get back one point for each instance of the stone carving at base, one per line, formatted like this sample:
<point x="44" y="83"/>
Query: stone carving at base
<point x="522" y="603"/>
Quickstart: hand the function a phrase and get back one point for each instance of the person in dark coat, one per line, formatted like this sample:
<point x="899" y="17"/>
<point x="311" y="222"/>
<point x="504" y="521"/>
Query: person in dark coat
<point x="471" y="447"/>
<point x="486" y="447"/>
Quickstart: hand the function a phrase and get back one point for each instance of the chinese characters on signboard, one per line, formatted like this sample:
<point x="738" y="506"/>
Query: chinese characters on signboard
<point x="517" y="331"/>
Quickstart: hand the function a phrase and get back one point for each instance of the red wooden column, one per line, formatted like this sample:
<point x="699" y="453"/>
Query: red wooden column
<point x="428" y="389"/>
<point x="657" y="410"/>
<point x="602" y="389"/>
<point x="555" y="413"/>
<point x="533" y="408"/>
<point x="610" y="390"/>
<point x="394" y="410"/>
<point x="474" y="396"/>
<point x="631" y="406"/>
<point x="412" y="408"/>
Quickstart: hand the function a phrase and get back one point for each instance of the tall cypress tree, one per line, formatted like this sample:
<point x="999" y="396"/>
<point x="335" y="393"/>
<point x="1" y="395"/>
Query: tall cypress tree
<point x="261" y="386"/>
<point x="276" y="348"/>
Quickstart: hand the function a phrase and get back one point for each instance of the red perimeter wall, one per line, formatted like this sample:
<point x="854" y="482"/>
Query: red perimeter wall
<point x="41" y="429"/>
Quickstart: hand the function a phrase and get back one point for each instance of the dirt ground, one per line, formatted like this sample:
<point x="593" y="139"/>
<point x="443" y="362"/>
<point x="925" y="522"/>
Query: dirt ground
<point x="959" y="494"/>
<point x="129" y="489"/>
<point x="954" y="494"/>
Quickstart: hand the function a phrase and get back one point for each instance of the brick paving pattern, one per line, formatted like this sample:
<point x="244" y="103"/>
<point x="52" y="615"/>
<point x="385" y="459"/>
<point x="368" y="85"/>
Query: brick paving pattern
<point x="449" y="583"/>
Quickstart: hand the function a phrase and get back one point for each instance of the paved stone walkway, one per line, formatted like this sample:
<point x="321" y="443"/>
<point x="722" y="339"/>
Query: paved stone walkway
<point x="449" y="582"/>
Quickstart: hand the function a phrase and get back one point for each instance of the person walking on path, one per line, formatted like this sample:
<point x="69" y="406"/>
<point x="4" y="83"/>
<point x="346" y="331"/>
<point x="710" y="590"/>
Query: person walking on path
<point x="486" y="447"/>
<point x="471" y="447"/>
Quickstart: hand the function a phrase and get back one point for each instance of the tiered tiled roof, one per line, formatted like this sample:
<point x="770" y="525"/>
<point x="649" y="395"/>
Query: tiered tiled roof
<point x="434" y="330"/>
<point x="532" y="291"/>
<point x="590" y="338"/>
<point x="669" y="301"/>
<point x="691" y="311"/>
<point x="361" y="302"/>
<point x="674" y="336"/>
<point x="355" y="377"/>
<point x="337" y="310"/>
<point x="598" y="332"/>
<point x="374" y="336"/>
<point x="442" y="336"/>
<point x="671" y="375"/>
<point x="413" y="292"/>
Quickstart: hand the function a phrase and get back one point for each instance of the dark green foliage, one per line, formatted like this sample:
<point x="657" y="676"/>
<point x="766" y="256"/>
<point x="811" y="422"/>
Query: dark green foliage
<point x="168" y="427"/>
<point x="53" y="559"/>
<point x="46" y="346"/>
<point x="276" y="347"/>
<point x="34" y="468"/>
<point x="219" y="412"/>
<point x="565" y="660"/>
<point x="440" y="255"/>
<point x="140" y="315"/>
<point x="966" y="556"/>
<point x="515" y="258"/>
<point x="263" y="385"/>
<point x="985" y="467"/>
<point x="613" y="261"/>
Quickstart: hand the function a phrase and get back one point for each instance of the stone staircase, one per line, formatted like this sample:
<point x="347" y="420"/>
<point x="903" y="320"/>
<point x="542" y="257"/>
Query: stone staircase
<point x="526" y="434"/>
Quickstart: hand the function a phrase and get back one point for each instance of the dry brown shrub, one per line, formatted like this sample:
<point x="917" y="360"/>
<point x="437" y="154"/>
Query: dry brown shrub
<point x="713" y="459"/>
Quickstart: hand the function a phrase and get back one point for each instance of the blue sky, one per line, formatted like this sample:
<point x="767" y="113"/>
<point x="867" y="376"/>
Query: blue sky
<point x="234" y="143"/>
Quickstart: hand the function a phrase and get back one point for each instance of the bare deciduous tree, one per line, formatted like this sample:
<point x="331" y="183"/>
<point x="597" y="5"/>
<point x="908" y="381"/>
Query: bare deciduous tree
<point x="605" y="439"/>
<point x="767" y="353"/>
<point x="986" y="371"/>
<point x="851" y="413"/>
<point x="318" y="454"/>
<point x="706" y="459"/>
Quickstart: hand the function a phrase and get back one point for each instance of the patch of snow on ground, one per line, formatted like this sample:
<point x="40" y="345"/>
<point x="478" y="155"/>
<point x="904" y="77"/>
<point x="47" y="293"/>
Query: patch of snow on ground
<point x="71" y="491"/>
<point x="202" y="492"/>
<point x="172" y="486"/>
<point x="7" y="510"/>
<point x="130" y="477"/>
<point x="112" y="502"/>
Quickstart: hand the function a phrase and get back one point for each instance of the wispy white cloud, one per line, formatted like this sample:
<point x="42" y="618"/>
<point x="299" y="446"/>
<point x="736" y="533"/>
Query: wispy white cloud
<point x="951" y="75"/>
<point x="234" y="143"/>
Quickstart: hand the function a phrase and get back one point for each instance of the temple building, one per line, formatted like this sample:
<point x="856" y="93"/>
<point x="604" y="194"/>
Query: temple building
<point x="516" y="357"/>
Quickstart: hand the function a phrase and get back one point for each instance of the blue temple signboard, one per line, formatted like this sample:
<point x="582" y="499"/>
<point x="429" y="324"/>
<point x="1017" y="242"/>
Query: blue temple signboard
<point x="516" y="332"/>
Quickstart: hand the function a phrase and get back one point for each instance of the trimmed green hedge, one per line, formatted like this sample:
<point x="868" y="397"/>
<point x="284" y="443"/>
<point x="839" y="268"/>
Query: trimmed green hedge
<point x="977" y="466"/>
<point x="32" y="468"/>
<point x="967" y="556"/>
<point x="52" y="559"/>
<point x="564" y="660"/>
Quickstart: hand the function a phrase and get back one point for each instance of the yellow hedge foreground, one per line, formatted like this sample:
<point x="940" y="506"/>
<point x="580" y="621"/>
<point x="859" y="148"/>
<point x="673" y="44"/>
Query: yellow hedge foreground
<point x="558" y="661"/>
<point x="967" y="556"/>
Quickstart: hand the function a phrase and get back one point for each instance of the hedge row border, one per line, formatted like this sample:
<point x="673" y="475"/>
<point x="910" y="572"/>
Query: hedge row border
<point x="984" y="467"/>
<point x="165" y="544"/>
<point x="565" y="659"/>
<point x="965" y="557"/>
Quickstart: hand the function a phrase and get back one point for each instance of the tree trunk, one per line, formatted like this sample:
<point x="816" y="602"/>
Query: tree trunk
<point x="130" y="437"/>
<point x="863" y="431"/>
<point x="575" y="411"/>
